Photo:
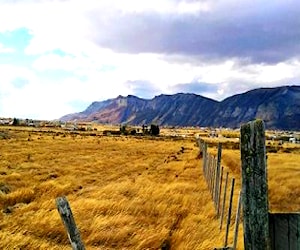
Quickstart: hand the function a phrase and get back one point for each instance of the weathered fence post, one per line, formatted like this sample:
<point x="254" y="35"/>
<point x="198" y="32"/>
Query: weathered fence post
<point x="237" y="222"/>
<point x="229" y="212"/>
<point x="254" y="186"/>
<point x="212" y="179"/>
<point x="224" y="201"/>
<point x="208" y="170"/>
<point x="217" y="179"/>
<point x="285" y="231"/>
<point x="66" y="215"/>
<point x="205" y="158"/>
<point x="219" y="194"/>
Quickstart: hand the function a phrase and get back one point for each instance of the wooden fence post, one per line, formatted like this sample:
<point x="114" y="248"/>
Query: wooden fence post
<point x="66" y="215"/>
<point x="212" y="179"/>
<point x="210" y="171"/>
<point x="205" y="159"/>
<point x="237" y="222"/>
<point x="224" y="200"/>
<point x="229" y="212"/>
<point x="217" y="179"/>
<point x="285" y="231"/>
<point x="220" y="191"/>
<point x="207" y="168"/>
<point x="254" y="186"/>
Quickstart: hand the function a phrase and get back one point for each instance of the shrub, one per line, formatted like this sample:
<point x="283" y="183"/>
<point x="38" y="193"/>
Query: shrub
<point x="287" y="150"/>
<point x="272" y="149"/>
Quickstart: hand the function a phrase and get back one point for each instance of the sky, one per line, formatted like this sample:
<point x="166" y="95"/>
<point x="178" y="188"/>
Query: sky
<point x="59" y="56"/>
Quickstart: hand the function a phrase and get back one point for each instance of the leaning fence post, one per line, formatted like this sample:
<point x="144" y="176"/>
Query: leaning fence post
<point x="66" y="215"/>
<point x="254" y="186"/>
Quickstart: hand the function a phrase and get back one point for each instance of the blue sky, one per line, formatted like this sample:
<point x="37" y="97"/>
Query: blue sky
<point x="58" y="56"/>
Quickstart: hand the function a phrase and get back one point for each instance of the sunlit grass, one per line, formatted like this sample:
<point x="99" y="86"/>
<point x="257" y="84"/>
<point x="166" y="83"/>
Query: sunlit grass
<point x="125" y="192"/>
<point x="283" y="175"/>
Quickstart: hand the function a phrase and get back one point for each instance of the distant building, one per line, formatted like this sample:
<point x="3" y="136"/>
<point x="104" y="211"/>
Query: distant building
<point x="292" y="140"/>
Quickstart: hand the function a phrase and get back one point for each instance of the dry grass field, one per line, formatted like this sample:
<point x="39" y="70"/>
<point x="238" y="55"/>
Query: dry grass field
<point x="283" y="174"/>
<point x="125" y="192"/>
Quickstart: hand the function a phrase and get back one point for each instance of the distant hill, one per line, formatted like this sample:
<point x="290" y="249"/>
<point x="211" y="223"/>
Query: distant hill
<point x="278" y="107"/>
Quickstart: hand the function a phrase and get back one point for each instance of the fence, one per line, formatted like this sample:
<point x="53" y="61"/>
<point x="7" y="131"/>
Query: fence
<point x="66" y="215"/>
<point x="284" y="230"/>
<point x="262" y="229"/>
<point x="214" y="176"/>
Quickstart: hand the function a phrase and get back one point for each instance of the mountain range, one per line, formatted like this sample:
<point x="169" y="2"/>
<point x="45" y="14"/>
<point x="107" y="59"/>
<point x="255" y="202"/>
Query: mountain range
<point x="279" y="107"/>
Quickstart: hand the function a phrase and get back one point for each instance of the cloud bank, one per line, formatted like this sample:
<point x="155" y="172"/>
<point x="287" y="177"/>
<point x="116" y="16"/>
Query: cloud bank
<point x="59" y="56"/>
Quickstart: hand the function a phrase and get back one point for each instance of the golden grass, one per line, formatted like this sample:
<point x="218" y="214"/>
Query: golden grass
<point x="284" y="182"/>
<point x="125" y="192"/>
<point x="283" y="175"/>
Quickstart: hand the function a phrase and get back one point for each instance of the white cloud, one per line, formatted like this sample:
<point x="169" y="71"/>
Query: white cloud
<point x="30" y="102"/>
<point x="6" y="50"/>
<point x="277" y="72"/>
<point x="11" y="72"/>
<point x="92" y="80"/>
<point x="55" y="62"/>
<point x="67" y="25"/>
<point x="53" y="24"/>
<point x="97" y="73"/>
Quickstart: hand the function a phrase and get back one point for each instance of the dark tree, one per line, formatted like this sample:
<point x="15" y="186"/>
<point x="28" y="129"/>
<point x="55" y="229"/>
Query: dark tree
<point x="123" y="129"/>
<point x="154" y="129"/>
<point x="16" y="122"/>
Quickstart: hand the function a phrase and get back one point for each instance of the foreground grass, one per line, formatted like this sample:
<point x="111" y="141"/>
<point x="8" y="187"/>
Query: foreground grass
<point x="125" y="193"/>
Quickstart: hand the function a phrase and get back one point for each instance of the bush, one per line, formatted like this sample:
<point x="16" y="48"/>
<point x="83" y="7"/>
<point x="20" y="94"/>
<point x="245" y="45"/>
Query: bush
<point x="272" y="149"/>
<point x="287" y="150"/>
<point x="133" y="132"/>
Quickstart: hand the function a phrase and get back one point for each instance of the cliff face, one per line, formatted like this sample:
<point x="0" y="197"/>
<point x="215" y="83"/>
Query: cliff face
<point x="278" y="107"/>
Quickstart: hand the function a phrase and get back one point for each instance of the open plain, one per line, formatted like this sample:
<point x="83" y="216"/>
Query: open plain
<point x="126" y="192"/>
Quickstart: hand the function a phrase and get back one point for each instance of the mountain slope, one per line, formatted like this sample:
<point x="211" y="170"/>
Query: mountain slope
<point x="278" y="107"/>
<point x="176" y="109"/>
